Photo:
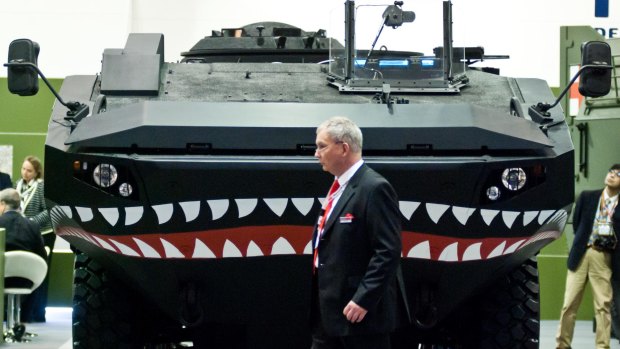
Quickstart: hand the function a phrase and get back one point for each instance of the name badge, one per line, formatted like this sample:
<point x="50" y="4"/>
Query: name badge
<point x="604" y="229"/>
<point x="348" y="218"/>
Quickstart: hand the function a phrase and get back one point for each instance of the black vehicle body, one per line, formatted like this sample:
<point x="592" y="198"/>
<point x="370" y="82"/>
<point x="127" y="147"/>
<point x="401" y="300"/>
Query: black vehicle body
<point x="212" y="242"/>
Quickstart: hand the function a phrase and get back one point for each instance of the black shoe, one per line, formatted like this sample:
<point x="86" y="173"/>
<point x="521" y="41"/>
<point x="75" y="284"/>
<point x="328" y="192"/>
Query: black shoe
<point x="18" y="332"/>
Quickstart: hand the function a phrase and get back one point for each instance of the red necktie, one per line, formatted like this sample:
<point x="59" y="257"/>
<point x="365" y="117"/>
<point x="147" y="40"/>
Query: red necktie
<point x="328" y="207"/>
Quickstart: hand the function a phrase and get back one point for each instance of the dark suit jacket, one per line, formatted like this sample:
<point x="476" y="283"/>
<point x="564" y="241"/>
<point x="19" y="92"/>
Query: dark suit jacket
<point x="5" y="181"/>
<point x="583" y="220"/>
<point x="359" y="259"/>
<point x="22" y="234"/>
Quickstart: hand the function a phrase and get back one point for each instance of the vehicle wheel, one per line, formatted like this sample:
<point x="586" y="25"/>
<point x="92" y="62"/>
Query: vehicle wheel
<point x="510" y="312"/>
<point x="102" y="316"/>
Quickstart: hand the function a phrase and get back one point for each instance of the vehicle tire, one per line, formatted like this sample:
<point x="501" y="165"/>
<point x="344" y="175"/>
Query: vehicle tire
<point x="102" y="316"/>
<point x="510" y="311"/>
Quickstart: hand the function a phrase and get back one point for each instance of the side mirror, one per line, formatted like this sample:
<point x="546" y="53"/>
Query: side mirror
<point x="23" y="80"/>
<point x="595" y="82"/>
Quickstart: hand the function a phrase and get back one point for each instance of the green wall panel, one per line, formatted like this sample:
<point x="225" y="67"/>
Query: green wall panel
<point x="23" y="122"/>
<point x="61" y="280"/>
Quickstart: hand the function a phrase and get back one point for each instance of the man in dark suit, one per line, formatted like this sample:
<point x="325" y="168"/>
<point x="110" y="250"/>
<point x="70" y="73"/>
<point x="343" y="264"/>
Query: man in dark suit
<point x="357" y="247"/>
<point x="5" y="181"/>
<point x="21" y="233"/>
<point x="592" y="257"/>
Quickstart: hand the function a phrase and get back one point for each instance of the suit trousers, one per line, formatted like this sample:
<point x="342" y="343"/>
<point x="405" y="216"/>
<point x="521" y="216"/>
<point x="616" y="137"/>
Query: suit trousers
<point x="321" y="340"/>
<point x="595" y="267"/>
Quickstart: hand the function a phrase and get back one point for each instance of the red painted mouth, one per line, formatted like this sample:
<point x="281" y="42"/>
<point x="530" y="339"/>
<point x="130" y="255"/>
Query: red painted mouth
<point x="258" y="241"/>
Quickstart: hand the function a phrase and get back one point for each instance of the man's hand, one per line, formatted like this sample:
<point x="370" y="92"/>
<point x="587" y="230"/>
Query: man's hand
<point x="354" y="312"/>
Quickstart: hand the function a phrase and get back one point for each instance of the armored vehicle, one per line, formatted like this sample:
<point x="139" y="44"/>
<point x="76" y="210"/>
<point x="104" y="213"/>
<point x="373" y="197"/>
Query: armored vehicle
<point x="189" y="190"/>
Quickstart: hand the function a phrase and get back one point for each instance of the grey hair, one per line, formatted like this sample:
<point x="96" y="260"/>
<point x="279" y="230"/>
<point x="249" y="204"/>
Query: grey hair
<point x="342" y="129"/>
<point x="11" y="198"/>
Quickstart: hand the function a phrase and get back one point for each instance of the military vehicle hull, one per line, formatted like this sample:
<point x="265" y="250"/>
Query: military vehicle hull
<point x="213" y="243"/>
<point x="189" y="191"/>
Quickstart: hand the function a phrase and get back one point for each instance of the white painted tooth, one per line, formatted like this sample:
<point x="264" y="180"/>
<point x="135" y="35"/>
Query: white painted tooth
<point x="110" y="214"/>
<point x="322" y="201"/>
<point x="308" y="248"/>
<point x="282" y="246"/>
<point x="164" y="212"/>
<point x="303" y="205"/>
<point x="277" y="205"/>
<point x="190" y="209"/>
<point x="421" y="250"/>
<point x="544" y="215"/>
<point x="170" y="250"/>
<point x="488" y="215"/>
<point x="202" y="251"/>
<point x="559" y="216"/>
<point x="462" y="214"/>
<point x="126" y="250"/>
<point x="55" y="215"/>
<point x="435" y="211"/>
<point x="497" y="251"/>
<point x="104" y="244"/>
<point x="146" y="249"/>
<point x="246" y="206"/>
<point x="562" y="218"/>
<point x="528" y="217"/>
<point x="230" y="250"/>
<point x="133" y="214"/>
<point x="254" y="250"/>
<point x="85" y="213"/>
<point x="509" y="217"/>
<point x="407" y="208"/>
<point x="472" y="253"/>
<point x="67" y="211"/>
<point x="514" y="247"/>
<point x="84" y="236"/>
<point x="450" y="253"/>
<point x="218" y="208"/>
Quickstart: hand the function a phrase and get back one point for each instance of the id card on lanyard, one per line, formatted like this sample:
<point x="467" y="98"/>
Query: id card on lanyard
<point x="604" y="227"/>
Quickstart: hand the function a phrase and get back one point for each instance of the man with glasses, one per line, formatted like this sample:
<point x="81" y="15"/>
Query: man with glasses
<point x="592" y="258"/>
<point x="357" y="247"/>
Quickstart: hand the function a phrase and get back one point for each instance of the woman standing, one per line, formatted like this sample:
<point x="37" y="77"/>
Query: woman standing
<point x="31" y="189"/>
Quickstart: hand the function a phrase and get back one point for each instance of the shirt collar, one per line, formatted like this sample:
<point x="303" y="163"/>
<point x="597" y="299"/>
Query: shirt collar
<point x="613" y="198"/>
<point x="346" y="176"/>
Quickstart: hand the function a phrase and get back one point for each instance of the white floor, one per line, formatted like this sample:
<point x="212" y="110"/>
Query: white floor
<point x="56" y="333"/>
<point x="583" y="337"/>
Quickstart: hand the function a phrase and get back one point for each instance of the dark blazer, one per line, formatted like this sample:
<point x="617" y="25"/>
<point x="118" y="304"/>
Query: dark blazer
<point x="5" y="181"/>
<point x="22" y="234"/>
<point x="359" y="255"/>
<point x="583" y="220"/>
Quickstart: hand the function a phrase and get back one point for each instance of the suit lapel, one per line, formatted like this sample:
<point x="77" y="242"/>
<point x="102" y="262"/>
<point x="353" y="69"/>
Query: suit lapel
<point x="346" y="196"/>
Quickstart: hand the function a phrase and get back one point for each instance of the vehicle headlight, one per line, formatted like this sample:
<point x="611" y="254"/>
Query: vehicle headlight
<point x="493" y="193"/>
<point x="514" y="178"/>
<point x="125" y="189"/>
<point x="105" y="175"/>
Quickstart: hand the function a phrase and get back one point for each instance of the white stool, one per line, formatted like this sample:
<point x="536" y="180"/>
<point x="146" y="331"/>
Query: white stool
<point x="23" y="272"/>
